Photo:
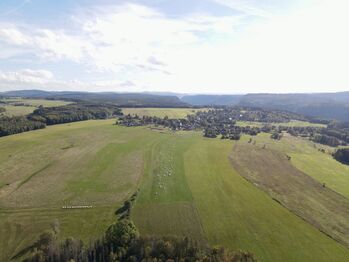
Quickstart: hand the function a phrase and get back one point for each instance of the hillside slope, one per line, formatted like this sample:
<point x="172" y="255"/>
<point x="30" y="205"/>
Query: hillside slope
<point x="318" y="105"/>
<point x="209" y="100"/>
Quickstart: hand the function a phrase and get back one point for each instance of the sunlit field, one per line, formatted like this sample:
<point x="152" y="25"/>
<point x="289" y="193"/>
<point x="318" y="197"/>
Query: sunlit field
<point x="187" y="186"/>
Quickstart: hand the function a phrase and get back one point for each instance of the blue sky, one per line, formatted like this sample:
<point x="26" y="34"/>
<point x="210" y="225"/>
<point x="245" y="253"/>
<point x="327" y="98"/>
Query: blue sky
<point x="186" y="46"/>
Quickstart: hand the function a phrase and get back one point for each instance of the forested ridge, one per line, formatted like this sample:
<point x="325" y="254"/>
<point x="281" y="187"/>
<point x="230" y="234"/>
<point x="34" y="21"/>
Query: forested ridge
<point x="317" y="105"/>
<point x="119" y="99"/>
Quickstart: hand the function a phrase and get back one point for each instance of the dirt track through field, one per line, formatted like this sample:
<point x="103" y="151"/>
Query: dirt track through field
<point x="273" y="172"/>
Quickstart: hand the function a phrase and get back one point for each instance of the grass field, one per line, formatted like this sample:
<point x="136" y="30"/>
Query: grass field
<point x="274" y="173"/>
<point x="17" y="110"/>
<point x="231" y="211"/>
<point x="292" y="123"/>
<point x="165" y="203"/>
<point x="306" y="156"/>
<point x="187" y="187"/>
<point x="238" y="215"/>
<point x="86" y="163"/>
<point x="29" y="105"/>
<point x="161" y="112"/>
<point x="19" y="228"/>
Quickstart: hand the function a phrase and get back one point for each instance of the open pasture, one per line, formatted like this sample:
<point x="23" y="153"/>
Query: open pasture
<point x="12" y="110"/>
<point x="19" y="228"/>
<point x="237" y="214"/>
<point x="292" y="123"/>
<point x="161" y="112"/>
<point x="187" y="187"/>
<point x="22" y="106"/>
<point x="311" y="158"/>
<point x="311" y="200"/>
<point x="86" y="163"/>
<point x="230" y="210"/>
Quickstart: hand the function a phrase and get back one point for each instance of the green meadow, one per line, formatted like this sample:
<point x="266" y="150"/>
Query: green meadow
<point x="309" y="158"/>
<point x="187" y="186"/>
<point x="231" y="211"/>
<point x="161" y="112"/>
<point x="23" y="106"/>
<point x="86" y="163"/>
<point x="292" y="123"/>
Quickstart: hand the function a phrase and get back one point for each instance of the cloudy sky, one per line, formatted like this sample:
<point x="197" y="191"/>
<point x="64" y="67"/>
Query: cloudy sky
<point x="188" y="46"/>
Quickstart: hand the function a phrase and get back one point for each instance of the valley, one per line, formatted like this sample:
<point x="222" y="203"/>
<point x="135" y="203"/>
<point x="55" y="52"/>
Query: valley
<point x="188" y="185"/>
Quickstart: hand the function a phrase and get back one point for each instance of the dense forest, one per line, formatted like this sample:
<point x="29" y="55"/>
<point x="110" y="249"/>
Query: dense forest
<point x="73" y="113"/>
<point x="342" y="155"/>
<point x="18" y="124"/>
<point x="56" y="115"/>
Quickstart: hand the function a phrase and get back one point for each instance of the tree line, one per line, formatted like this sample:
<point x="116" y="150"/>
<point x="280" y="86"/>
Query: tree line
<point x="56" y="115"/>
<point x="342" y="155"/>
<point x="18" y="124"/>
<point x="122" y="242"/>
<point x="73" y="113"/>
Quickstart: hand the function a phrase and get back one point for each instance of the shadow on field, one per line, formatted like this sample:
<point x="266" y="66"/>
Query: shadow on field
<point x="23" y="252"/>
<point x="125" y="211"/>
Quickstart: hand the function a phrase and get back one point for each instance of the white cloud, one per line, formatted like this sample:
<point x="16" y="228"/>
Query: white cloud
<point x="249" y="7"/>
<point x="13" y="36"/>
<point x="26" y="76"/>
<point x="124" y="37"/>
<point x="44" y="43"/>
<point x="305" y="51"/>
<point x="44" y="79"/>
<point x="60" y="45"/>
<point x="133" y="35"/>
<point x="144" y="49"/>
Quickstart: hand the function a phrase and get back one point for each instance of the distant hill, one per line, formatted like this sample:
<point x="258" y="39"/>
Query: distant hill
<point x="120" y="99"/>
<point x="207" y="100"/>
<point x="27" y="93"/>
<point x="317" y="105"/>
<point x="321" y="105"/>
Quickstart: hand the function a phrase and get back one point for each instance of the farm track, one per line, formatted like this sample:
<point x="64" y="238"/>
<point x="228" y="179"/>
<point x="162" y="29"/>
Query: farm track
<point x="273" y="172"/>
